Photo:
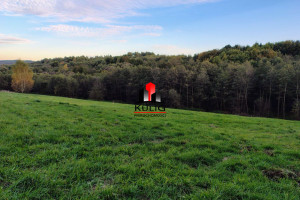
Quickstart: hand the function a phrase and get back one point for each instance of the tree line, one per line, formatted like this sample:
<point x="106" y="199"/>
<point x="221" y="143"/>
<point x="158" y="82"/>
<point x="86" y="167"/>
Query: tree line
<point x="258" y="80"/>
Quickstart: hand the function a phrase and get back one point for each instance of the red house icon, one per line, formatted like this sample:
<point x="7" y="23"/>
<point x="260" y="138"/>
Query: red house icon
<point x="150" y="87"/>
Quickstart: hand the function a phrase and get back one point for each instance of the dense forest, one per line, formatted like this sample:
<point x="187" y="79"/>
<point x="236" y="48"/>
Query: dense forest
<point x="258" y="80"/>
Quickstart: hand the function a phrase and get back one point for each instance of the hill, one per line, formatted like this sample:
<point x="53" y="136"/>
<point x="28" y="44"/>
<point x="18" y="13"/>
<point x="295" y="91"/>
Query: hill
<point x="257" y="80"/>
<point x="62" y="148"/>
<point x="12" y="62"/>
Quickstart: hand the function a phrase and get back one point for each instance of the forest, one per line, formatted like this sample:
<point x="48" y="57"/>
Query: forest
<point x="257" y="80"/>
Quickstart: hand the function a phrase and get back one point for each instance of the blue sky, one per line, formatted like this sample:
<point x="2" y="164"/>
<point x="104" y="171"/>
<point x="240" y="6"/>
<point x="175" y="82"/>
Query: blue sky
<point x="36" y="29"/>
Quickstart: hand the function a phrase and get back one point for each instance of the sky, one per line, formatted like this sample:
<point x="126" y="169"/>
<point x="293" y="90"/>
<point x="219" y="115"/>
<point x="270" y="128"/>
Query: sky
<point x="37" y="29"/>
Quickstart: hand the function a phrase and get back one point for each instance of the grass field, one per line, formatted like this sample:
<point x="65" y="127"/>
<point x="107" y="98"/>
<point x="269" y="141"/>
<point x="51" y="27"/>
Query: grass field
<point x="61" y="148"/>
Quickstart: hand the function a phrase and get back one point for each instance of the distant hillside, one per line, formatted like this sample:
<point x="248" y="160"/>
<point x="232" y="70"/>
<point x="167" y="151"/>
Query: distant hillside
<point x="11" y="62"/>
<point x="257" y="80"/>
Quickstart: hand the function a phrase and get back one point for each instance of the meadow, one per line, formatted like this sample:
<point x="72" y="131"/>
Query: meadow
<point x="63" y="148"/>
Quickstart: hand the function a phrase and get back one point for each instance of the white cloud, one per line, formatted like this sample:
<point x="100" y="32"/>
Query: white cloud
<point x="101" y="11"/>
<point x="6" y="39"/>
<point x="108" y="30"/>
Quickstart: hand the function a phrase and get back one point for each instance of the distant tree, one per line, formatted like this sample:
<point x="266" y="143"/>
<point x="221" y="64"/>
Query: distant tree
<point x="5" y="80"/>
<point x="270" y="75"/>
<point x="97" y="90"/>
<point x="41" y="83"/>
<point x="284" y="76"/>
<point x="296" y="108"/>
<point x="59" y="85"/>
<point x="201" y="82"/>
<point x="262" y="79"/>
<point x="174" y="98"/>
<point x="246" y="74"/>
<point x="65" y="67"/>
<point x="22" y="77"/>
<point x="296" y="104"/>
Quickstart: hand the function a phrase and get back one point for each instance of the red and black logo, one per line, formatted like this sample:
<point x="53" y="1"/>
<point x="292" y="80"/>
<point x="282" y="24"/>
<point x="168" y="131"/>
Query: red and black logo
<point x="150" y="103"/>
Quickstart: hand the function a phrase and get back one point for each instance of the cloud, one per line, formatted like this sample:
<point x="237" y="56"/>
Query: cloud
<point x="99" y="11"/>
<point x="108" y="30"/>
<point x="6" y="39"/>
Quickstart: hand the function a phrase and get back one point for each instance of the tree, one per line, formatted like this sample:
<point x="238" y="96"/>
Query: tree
<point x="284" y="76"/>
<point x="22" y="77"/>
<point x="97" y="90"/>
<point x="174" y="98"/>
<point x="296" y="104"/>
<point x="201" y="82"/>
<point x="258" y="80"/>
<point x="246" y="75"/>
<point x="5" y="80"/>
<point x="271" y="75"/>
<point x="64" y="68"/>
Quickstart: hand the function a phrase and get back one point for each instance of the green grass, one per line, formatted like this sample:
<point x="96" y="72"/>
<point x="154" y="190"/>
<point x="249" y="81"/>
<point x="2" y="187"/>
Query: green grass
<point x="61" y="148"/>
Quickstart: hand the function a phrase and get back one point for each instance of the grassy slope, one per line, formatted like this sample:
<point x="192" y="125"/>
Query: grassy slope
<point x="60" y="148"/>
